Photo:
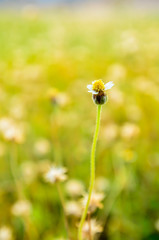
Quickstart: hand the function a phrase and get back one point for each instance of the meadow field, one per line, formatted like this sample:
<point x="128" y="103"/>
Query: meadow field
<point x="47" y="117"/>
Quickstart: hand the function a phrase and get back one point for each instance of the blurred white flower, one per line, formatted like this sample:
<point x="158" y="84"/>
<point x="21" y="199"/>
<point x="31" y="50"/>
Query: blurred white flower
<point x="110" y="132"/>
<point x="117" y="97"/>
<point x="21" y="208"/>
<point x="95" y="201"/>
<point x="73" y="208"/>
<point x="102" y="184"/>
<point x="11" y="131"/>
<point x="5" y="123"/>
<point x="56" y="174"/>
<point x="129" y="42"/>
<point x="59" y="98"/>
<point x="95" y="228"/>
<point x="42" y="146"/>
<point x="29" y="171"/>
<point x="129" y="131"/>
<point x="5" y="233"/>
<point x="14" y="133"/>
<point x="116" y="71"/>
<point x="74" y="187"/>
<point x="17" y="107"/>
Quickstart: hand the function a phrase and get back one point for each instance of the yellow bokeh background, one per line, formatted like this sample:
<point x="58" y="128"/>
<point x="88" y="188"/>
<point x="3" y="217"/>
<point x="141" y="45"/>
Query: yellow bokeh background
<point x="47" y="58"/>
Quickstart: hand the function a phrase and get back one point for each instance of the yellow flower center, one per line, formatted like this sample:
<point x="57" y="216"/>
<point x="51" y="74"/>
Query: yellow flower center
<point x="98" y="86"/>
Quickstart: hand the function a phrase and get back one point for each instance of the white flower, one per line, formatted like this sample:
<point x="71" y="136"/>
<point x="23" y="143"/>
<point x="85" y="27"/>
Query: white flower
<point x="5" y="233"/>
<point x="102" y="184"/>
<point x="42" y="146"/>
<point x="11" y="131"/>
<point x="130" y="130"/>
<point x="74" y="188"/>
<point x="95" y="201"/>
<point x="73" y="208"/>
<point x="95" y="228"/>
<point x="21" y="208"/>
<point x="98" y="86"/>
<point x="56" y="174"/>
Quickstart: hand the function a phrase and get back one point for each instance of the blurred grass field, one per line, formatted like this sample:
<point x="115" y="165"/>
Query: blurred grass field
<point x="46" y="62"/>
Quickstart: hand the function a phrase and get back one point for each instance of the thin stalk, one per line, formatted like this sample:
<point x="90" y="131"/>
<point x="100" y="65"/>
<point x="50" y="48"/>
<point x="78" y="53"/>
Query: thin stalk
<point x="89" y="222"/>
<point x="13" y="168"/>
<point x="92" y="175"/>
<point x="14" y="171"/>
<point x="64" y="211"/>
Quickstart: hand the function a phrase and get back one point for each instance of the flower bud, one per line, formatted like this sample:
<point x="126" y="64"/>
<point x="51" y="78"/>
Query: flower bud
<point x="99" y="98"/>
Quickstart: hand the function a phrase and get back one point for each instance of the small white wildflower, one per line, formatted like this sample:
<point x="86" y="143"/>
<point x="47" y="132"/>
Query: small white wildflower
<point x="42" y="146"/>
<point x="56" y="174"/>
<point x="14" y="133"/>
<point x="29" y="171"/>
<point x="5" y="233"/>
<point x="5" y="123"/>
<point x="74" y="187"/>
<point x="98" y="86"/>
<point x="102" y="184"/>
<point x="21" y="208"/>
<point x="130" y="130"/>
<point x="58" y="98"/>
<point x="95" y="201"/>
<point x="11" y="131"/>
<point x="95" y="228"/>
<point x="110" y="132"/>
<point x="73" y="208"/>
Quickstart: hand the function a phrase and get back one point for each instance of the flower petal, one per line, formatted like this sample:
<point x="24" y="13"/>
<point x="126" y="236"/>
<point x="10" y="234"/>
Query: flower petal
<point x="89" y="86"/>
<point x="109" y="85"/>
<point x="93" y="92"/>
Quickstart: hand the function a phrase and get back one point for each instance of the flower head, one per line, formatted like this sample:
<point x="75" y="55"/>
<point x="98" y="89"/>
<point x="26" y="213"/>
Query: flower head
<point x="42" y="146"/>
<point x="58" y="98"/>
<point x="5" y="233"/>
<point x="98" y="88"/>
<point x="21" y="208"/>
<point x="73" y="208"/>
<point x="74" y="188"/>
<point x="95" y="228"/>
<point x="12" y="131"/>
<point x="56" y="174"/>
<point x="130" y="131"/>
<point x="95" y="201"/>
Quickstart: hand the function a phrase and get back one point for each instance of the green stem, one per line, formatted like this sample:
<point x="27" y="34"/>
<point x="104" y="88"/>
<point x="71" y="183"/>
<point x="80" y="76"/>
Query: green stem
<point x="64" y="211"/>
<point x="13" y="168"/>
<point x="92" y="176"/>
<point x="19" y="190"/>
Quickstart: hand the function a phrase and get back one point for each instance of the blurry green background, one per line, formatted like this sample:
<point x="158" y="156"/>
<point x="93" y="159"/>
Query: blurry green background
<point x="47" y="58"/>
